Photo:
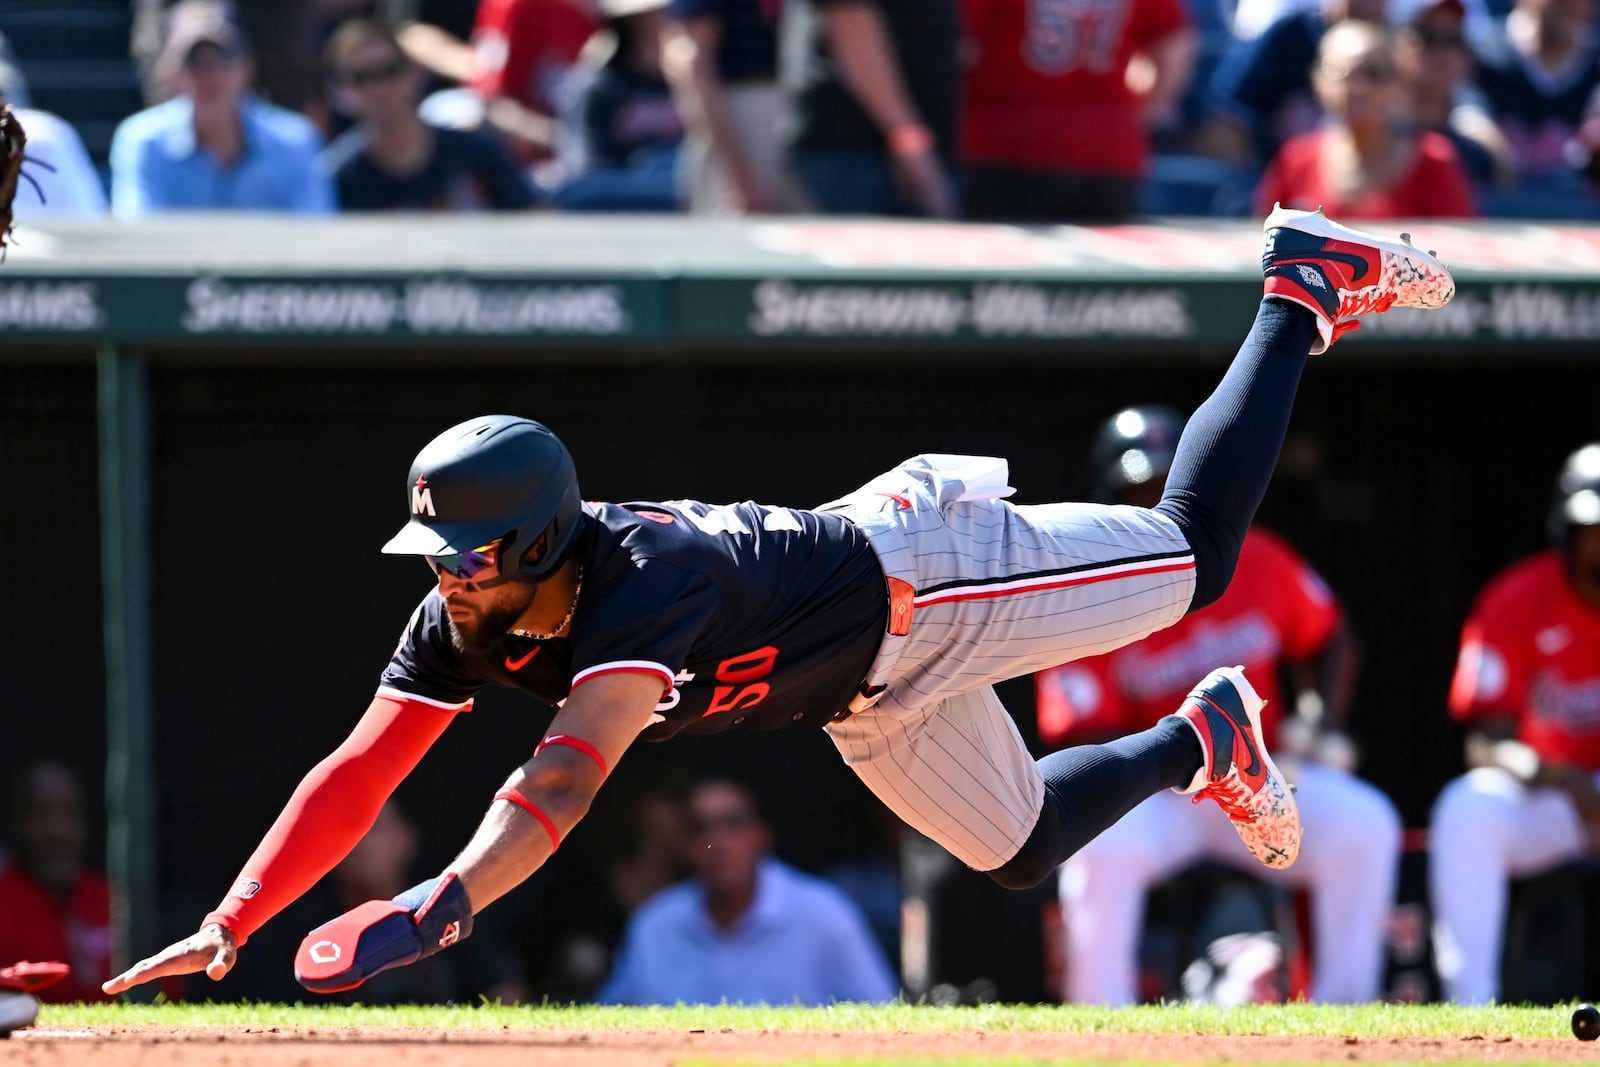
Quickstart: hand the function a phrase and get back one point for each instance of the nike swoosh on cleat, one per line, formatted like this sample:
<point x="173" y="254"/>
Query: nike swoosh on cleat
<point x="1348" y="258"/>
<point x="1241" y="737"/>
<point x="518" y="664"/>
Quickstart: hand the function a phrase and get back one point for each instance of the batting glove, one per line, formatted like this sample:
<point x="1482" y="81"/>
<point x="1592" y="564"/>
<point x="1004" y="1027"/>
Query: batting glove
<point x="382" y="934"/>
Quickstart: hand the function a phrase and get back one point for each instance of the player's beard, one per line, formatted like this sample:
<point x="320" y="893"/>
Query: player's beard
<point x="490" y="624"/>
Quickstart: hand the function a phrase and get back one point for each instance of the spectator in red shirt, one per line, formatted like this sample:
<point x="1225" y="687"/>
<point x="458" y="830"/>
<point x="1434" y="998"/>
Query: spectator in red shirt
<point x="519" y="53"/>
<point x="51" y="907"/>
<point x="1370" y="160"/>
<point x="1054" y="126"/>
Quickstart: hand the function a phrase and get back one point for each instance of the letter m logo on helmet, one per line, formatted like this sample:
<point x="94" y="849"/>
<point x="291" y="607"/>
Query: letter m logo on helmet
<point x="494" y="479"/>
<point x="422" y="498"/>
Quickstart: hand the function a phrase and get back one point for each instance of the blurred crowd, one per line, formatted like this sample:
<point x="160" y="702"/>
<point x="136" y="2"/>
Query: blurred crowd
<point x="680" y="896"/>
<point x="999" y="110"/>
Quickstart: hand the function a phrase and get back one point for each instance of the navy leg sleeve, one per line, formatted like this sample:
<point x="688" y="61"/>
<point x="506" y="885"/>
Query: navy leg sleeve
<point x="1089" y="787"/>
<point x="1229" y="448"/>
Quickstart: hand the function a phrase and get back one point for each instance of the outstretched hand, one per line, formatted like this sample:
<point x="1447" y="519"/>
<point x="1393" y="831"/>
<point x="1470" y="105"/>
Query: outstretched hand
<point x="212" y="949"/>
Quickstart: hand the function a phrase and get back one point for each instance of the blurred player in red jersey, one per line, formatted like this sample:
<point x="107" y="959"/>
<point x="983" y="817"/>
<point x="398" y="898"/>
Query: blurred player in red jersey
<point x="1055" y="126"/>
<point x="51" y="906"/>
<point x="1276" y="614"/>
<point x="1527" y="685"/>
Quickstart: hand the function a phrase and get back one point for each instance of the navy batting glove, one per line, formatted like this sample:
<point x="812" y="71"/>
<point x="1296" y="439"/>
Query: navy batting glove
<point x="381" y="934"/>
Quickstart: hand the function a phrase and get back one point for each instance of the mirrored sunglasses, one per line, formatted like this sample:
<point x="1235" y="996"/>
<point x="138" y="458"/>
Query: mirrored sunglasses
<point x="466" y="565"/>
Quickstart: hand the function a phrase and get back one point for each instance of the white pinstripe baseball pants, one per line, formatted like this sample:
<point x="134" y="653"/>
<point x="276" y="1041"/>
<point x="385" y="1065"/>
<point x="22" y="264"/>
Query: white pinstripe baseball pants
<point x="1002" y="590"/>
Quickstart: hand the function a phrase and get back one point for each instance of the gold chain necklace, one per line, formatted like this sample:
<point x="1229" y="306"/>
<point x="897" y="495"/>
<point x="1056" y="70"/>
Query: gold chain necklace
<point x="562" y="625"/>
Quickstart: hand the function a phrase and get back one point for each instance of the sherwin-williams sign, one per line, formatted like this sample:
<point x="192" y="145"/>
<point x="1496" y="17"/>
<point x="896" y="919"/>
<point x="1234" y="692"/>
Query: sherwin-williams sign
<point x="178" y="309"/>
<point x="679" y="280"/>
<point x="422" y="306"/>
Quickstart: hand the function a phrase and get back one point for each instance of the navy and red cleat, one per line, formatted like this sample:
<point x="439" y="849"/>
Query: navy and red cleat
<point x="1338" y="273"/>
<point x="1238" y="774"/>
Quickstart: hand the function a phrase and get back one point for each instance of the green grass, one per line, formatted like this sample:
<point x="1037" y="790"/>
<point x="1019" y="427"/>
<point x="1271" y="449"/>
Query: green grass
<point x="1375" y="1020"/>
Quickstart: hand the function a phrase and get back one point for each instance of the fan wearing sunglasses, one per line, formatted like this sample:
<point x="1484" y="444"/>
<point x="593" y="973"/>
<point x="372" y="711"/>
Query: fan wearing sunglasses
<point x="391" y="160"/>
<point x="1369" y="160"/>
<point x="747" y="928"/>
<point x="215" y="146"/>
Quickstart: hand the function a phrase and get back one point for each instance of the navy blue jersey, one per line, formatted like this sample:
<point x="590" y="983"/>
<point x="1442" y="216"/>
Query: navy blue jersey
<point x="752" y="615"/>
<point x="466" y="171"/>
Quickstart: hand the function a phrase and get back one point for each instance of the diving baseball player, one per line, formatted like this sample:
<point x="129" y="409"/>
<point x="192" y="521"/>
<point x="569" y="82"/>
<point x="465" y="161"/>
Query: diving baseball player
<point x="883" y="617"/>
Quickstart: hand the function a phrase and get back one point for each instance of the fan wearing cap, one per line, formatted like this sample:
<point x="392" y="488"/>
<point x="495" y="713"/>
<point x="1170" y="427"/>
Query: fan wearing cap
<point x="1527" y="688"/>
<point x="214" y="146"/>
<point x="1279" y="619"/>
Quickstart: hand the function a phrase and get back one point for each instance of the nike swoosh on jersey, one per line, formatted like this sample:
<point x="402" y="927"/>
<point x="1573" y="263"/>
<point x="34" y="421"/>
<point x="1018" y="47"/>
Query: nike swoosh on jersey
<point x="904" y="502"/>
<point x="518" y="664"/>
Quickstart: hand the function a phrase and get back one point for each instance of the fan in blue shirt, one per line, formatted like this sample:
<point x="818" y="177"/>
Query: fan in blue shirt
<point x="746" y="929"/>
<point x="214" y="146"/>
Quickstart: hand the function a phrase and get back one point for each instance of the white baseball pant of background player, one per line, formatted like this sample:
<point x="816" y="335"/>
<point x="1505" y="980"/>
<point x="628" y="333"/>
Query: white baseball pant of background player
<point x="1486" y="829"/>
<point x="1002" y="590"/>
<point x="1352" y="834"/>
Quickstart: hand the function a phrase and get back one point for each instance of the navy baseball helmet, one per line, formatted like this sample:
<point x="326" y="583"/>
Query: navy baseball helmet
<point x="1577" y="495"/>
<point x="1134" y="446"/>
<point x="496" y="478"/>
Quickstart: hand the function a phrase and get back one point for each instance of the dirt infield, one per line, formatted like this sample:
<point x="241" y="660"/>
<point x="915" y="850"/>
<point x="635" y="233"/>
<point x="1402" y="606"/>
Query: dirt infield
<point x="160" y="1046"/>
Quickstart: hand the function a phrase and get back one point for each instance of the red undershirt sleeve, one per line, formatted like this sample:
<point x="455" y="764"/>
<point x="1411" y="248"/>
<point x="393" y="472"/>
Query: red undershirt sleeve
<point x="334" y="805"/>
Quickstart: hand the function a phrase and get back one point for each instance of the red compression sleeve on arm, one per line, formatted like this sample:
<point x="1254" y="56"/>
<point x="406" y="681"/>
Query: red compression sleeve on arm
<point x="334" y="805"/>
